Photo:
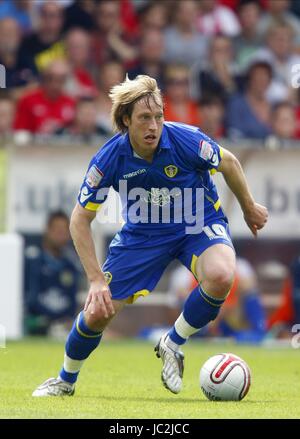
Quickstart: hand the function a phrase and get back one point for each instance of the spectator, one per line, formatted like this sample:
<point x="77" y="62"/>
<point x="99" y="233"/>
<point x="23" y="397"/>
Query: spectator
<point x="79" y="14"/>
<point x="243" y="316"/>
<point x="84" y="129"/>
<point x="248" y="114"/>
<point x="110" y="40"/>
<point x="216" y="76"/>
<point x="152" y="16"/>
<point x="179" y="107"/>
<point x="80" y="82"/>
<point x="182" y="40"/>
<point x="150" y="60"/>
<point x="19" y="10"/>
<point x="110" y="74"/>
<point x="51" y="278"/>
<point x="44" y="45"/>
<point x="129" y="19"/>
<point x="212" y="117"/>
<point x="19" y="72"/>
<point x="7" y="112"/>
<point x="215" y="19"/>
<point x="279" y="52"/>
<point x="47" y="108"/>
<point x="284" y="121"/>
<point x="288" y="312"/>
<point x="298" y="116"/>
<point x="248" y="41"/>
<point x="278" y="11"/>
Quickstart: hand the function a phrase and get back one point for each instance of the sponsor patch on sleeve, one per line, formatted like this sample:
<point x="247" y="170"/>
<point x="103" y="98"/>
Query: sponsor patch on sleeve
<point x="206" y="150"/>
<point x="94" y="177"/>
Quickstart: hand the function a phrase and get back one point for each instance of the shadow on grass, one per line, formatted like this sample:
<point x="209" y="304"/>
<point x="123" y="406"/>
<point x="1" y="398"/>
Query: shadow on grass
<point x="144" y="399"/>
<point x="173" y="400"/>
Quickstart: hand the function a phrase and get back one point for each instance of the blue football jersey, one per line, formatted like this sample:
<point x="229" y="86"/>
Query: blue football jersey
<point x="163" y="196"/>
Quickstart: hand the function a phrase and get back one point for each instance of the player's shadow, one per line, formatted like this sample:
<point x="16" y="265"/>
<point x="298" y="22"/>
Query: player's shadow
<point x="174" y="400"/>
<point x="148" y="399"/>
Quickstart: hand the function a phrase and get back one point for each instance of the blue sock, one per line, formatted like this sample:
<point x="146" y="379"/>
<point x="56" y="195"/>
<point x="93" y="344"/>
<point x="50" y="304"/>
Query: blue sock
<point x="199" y="309"/>
<point x="80" y="343"/>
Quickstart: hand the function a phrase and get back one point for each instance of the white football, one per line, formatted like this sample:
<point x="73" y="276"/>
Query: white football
<point x="225" y="377"/>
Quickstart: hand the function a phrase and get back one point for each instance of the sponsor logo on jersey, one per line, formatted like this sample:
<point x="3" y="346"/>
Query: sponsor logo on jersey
<point x="107" y="277"/>
<point x="207" y="153"/>
<point x="161" y="197"/>
<point x="93" y="177"/>
<point x="171" y="170"/>
<point x="84" y="194"/>
<point x="134" y="173"/>
<point x="205" y="150"/>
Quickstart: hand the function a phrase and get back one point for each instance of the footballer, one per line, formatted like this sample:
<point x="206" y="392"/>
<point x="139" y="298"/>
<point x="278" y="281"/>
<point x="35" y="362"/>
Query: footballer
<point x="163" y="159"/>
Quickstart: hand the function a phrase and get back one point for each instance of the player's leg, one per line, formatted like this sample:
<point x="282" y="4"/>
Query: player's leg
<point x="211" y="258"/>
<point x="132" y="269"/>
<point x="215" y="269"/>
<point x="82" y="340"/>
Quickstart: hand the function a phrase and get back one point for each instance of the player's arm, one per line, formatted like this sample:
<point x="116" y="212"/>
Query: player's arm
<point x="99" y="292"/>
<point x="255" y="214"/>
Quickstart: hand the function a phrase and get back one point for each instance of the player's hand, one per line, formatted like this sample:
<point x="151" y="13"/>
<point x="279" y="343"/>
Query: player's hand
<point x="99" y="297"/>
<point x="256" y="217"/>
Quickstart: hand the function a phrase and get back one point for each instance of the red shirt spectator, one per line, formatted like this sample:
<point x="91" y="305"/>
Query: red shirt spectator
<point x="298" y="123"/>
<point x="285" y="312"/>
<point x="37" y="113"/>
<point x="85" y="83"/>
<point x="179" y="107"/>
<point x="129" y="18"/>
<point x="47" y="108"/>
<point x="191" y="109"/>
<point x="80" y="83"/>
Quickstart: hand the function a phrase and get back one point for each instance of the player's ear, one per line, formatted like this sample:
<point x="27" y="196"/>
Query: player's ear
<point x="126" y="120"/>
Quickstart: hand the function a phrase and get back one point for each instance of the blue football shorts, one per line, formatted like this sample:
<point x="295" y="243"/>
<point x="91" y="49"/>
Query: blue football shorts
<point x="135" y="261"/>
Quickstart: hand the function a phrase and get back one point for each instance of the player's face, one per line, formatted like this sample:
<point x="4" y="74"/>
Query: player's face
<point x="145" y="126"/>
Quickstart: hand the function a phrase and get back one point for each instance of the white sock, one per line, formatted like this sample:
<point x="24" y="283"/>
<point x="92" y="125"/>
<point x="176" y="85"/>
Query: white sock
<point x="183" y="328"/>
<point x="72" y="366"/>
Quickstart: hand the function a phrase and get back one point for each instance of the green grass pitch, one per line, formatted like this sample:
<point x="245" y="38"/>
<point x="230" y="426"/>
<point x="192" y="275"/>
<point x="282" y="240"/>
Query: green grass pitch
<point x="122" y="380"/>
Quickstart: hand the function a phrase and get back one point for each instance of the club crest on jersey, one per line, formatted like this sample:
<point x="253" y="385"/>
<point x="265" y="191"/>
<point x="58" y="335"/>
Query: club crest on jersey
<point x="107" y="277"/>
<point x="93" y="177"/>
<point x="171" y="170"/>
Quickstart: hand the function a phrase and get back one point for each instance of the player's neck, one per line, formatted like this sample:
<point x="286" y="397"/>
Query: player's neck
<point x="145" y="155"/>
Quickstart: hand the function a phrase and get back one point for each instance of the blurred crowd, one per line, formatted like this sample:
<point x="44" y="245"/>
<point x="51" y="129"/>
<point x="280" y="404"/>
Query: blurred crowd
<point x="231" y="67"/>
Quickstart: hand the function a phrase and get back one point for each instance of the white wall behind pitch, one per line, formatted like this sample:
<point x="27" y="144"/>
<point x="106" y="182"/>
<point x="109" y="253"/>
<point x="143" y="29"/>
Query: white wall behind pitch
<point x="11" y="285"/>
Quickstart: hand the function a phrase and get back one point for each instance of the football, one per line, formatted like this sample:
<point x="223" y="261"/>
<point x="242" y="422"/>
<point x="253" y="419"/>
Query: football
<point x="225" y="377"/>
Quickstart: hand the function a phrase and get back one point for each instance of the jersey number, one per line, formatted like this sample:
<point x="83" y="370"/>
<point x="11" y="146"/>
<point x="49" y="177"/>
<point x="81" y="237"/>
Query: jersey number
<point x="216" y="231"/>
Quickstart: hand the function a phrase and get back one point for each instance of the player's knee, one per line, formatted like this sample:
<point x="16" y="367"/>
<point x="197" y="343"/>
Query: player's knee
<point x="220" y="279"/>
<point x="96" y="321"/>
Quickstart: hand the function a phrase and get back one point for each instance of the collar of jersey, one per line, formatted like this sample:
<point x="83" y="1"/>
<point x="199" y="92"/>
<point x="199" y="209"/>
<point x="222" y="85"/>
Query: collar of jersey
<point x="126" y="149"/>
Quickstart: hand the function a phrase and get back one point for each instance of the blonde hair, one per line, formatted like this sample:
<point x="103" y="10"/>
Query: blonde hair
<point x="126" y="94"/>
